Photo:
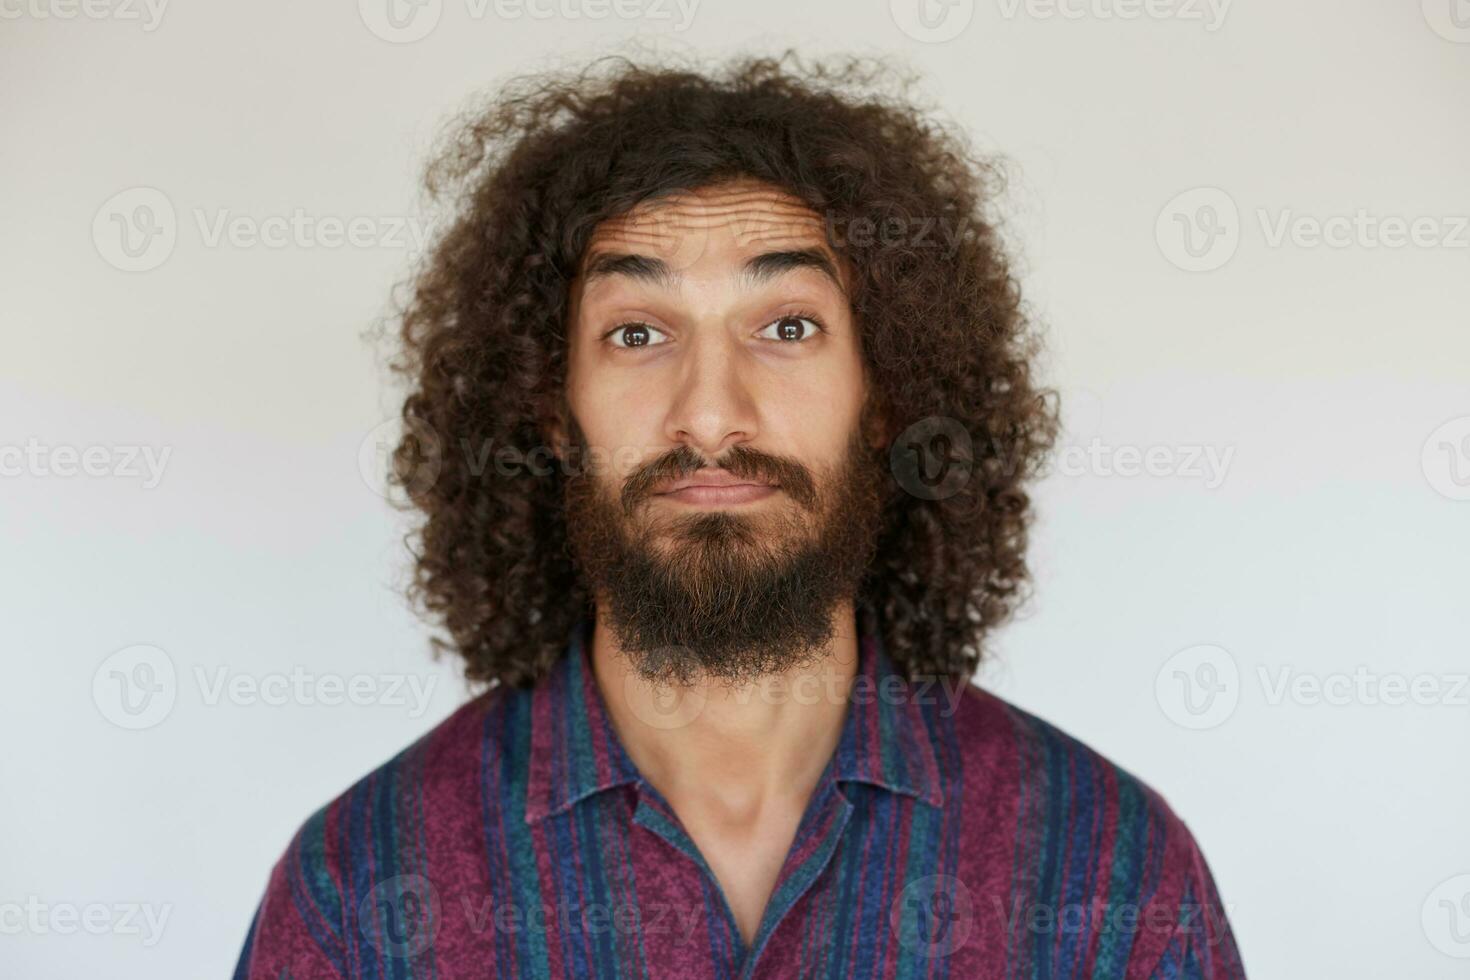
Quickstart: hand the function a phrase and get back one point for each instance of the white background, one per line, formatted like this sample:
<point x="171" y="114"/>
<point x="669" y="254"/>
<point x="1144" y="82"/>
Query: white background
<point x="1333" y="541"/>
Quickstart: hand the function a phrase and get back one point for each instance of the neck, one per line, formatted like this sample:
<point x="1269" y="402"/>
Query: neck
<point x="732" y="752"/>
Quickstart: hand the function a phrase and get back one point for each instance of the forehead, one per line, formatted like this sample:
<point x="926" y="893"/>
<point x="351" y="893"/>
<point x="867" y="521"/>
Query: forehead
<point x="697" y="231"/>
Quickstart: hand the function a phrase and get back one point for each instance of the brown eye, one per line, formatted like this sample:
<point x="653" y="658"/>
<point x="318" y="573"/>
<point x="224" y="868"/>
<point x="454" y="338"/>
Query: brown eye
<point x="791" y="329"/>
<point x="633" y="335"/>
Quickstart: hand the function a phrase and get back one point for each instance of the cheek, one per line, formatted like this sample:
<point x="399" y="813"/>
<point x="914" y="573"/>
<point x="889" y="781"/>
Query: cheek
<point x="618" y="417"/>
<point x="818" y="406"/>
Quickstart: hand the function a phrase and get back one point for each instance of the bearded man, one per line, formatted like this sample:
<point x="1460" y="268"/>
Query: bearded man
<point x="758" y="384"/>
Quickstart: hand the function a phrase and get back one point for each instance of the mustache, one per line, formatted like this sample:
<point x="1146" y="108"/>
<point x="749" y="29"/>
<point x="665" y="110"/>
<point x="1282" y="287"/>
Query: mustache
<point x="741" y="461"/>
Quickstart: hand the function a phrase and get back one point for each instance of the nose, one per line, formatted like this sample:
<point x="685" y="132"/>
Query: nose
<point x="714" y="405"/>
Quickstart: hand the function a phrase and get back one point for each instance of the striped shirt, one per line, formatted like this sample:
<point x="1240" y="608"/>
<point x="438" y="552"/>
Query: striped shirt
<point x="950" y="835"/>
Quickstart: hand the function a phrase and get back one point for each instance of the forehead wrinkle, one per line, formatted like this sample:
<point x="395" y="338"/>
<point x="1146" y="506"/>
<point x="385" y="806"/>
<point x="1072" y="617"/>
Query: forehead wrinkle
<point x="753" y="207"/>
<point x="757" y="216"/>
<point x="756" y="271"/>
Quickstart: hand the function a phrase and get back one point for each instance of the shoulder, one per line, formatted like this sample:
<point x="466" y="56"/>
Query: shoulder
<point x="379" y="833"/>
<point x="474" y="758"/>
<point x="1080" y="838"/>
<point x="1052" y="775"/>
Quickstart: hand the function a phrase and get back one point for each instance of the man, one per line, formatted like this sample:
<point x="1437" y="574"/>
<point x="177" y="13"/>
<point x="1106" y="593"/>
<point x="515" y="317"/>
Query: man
<point x="721" y="421"/>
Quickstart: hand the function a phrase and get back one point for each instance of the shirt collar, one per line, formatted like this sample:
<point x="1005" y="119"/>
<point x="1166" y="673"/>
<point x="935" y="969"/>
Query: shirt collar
<point x="575" y="752"/>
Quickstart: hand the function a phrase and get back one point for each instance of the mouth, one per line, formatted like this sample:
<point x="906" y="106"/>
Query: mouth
<point x="716" y="488"/>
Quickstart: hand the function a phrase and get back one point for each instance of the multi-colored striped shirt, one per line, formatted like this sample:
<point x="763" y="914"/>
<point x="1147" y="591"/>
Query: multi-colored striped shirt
<point x="947" y="837"/>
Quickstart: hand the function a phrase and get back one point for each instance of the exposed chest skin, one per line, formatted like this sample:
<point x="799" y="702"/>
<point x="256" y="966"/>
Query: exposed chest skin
<point x="746" y="858"/>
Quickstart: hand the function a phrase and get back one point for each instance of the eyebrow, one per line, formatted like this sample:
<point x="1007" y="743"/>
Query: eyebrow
<point x="758" y="269"/>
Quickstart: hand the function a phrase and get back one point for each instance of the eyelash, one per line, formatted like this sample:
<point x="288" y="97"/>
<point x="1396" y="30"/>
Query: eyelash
<point x="815" y="321"/>
<point x="794" y="315"/>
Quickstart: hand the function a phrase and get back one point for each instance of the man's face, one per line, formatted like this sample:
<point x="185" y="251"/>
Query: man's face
<point x="715" y="367"/>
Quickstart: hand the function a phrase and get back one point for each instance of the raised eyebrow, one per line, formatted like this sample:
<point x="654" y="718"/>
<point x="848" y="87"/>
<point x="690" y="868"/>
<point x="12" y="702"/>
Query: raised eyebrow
<point x="768" y="265"/>
<point x="758" y="269"/>
<point x="644" y="268"/>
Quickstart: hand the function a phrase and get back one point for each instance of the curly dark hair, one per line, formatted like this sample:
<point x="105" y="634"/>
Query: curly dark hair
<point x="528" y="176"/>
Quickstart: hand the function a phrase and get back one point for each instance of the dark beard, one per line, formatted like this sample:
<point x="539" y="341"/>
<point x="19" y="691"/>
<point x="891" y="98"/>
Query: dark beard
<point x="727" y="595"/>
